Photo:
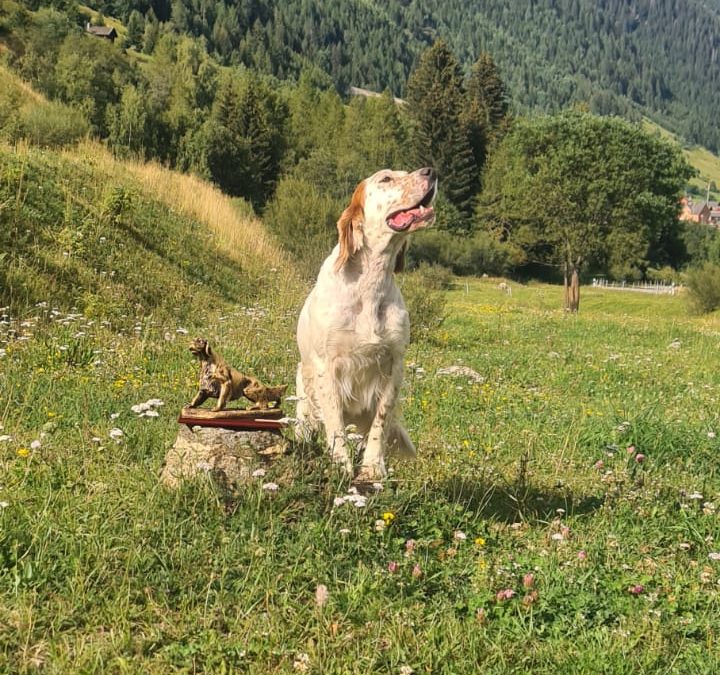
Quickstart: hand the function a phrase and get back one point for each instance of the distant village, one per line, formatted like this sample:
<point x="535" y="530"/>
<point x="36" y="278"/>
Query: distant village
<point x="701" y="211"/>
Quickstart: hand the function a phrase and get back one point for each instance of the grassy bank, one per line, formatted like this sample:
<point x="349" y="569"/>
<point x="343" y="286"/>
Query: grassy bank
<point x="526" y="538"/>
<point x="122" y="240"/>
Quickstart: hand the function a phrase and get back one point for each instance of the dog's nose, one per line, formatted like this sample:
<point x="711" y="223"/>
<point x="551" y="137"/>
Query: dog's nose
<point x="427" y="171"/>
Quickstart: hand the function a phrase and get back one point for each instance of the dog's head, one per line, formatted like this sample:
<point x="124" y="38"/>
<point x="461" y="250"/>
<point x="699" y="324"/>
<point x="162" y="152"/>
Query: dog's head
<point x="200" y="349"/>
<point x="388" y="205"/>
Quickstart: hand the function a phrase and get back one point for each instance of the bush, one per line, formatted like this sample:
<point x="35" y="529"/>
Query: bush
<point x="704" y="287"/>
<point x="666" y="275"/>
<point x="425" y="301"/>
<point x="24" y="114"/>
<point x="476" y="254"/>
<point x="54" y="125"/>
<point x="303" y="219"/>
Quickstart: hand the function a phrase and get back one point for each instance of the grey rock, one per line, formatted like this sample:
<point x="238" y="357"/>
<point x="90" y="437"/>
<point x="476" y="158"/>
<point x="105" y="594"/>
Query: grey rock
<point x="228" y="457"/>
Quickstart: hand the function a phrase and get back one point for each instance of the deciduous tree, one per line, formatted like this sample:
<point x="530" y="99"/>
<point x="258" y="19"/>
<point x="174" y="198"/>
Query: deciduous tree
<point x="575" y="190"/>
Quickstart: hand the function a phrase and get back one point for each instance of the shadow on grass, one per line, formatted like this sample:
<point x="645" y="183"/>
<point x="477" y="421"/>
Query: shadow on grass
<point x="515" y="503"/>
<point x="315" y="478"/>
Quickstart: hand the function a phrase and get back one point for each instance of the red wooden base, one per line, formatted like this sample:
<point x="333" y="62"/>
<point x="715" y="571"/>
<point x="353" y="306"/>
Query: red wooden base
<point x="240" y="420"/>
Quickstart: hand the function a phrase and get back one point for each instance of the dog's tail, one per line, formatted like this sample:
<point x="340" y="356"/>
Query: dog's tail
<point x="399" y="443"/>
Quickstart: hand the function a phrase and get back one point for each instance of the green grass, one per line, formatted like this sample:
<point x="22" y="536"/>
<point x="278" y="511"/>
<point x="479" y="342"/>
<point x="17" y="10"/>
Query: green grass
<point x="104" y="570"/>
<point x="706" y="163"/>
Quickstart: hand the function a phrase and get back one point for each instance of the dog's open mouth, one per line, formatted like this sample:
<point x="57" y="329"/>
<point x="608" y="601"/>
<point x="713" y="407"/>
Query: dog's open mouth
<point x="416" y="216"/>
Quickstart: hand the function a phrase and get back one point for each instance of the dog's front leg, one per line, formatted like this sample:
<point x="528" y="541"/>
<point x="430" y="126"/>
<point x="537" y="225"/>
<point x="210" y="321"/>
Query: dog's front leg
<point x="199" y="399"/>
<point x="225" y="393"/>
<point x="373" y="464"/>
<point x="333" y="420"/>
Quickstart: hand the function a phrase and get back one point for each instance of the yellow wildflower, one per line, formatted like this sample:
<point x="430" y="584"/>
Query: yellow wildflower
<point x="388" y="517"/>
<point x="479" y="541"/>
<point x="23" y="452"/>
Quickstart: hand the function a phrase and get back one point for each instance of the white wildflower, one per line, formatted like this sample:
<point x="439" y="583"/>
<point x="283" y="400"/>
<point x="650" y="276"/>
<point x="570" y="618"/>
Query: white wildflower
<point x="301" y="663"/>
<point x="150" y="413"/>
<point x="695" y="495"/>
<point x="116" y="434"/>
<point x="4" y="505"/>
<point x="379" y="525"/>
<point x="459" y="535"/>
<point x="35" y="445"/>
<point x="344" y="530"/>
<point x="114" y="416"/>
<point x="321" y="595"/>
<point x="338" y="501"/>
<point x="711" y="434"/>
<point x="270" y="487"/>
<point x="258" y="473"/>
<point x="714" y="555"/>
<point x="181" y="331"/>
<point x="378" y="487"/>
<point x="558" y="536"/>
<point x="5" y="438"/>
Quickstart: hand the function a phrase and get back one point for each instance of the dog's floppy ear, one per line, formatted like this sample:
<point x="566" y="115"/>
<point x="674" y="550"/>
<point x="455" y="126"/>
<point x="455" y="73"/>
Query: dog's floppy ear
<point x="350" y="227"/>
<point x="400" y="260"/>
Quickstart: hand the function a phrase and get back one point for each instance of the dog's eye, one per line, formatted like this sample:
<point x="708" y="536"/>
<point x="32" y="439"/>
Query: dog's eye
<point x="386" y="179"/>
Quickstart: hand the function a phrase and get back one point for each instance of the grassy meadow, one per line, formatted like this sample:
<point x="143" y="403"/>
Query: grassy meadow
<point x="561" y="516"/>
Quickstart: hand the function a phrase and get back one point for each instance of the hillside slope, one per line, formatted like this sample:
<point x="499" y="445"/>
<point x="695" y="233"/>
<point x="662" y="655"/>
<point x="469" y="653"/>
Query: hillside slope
<point x="705" y="162"/>
<point x="111" y="239"/>
<point x="658" y="57"/>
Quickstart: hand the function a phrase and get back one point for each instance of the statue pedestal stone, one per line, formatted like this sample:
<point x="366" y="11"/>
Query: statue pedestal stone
<point x="226" y="455"/>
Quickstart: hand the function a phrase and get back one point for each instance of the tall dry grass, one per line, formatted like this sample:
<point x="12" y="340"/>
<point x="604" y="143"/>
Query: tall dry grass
<point x="242" y="238"/>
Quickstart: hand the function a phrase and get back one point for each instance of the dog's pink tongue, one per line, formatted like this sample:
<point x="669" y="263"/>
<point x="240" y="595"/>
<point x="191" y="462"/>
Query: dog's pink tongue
<point x="403" y="219"/>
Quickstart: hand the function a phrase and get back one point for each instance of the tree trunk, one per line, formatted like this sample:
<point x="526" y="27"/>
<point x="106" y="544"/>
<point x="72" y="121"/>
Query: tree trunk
<point x="575" y="290"/>
<point x="566" y="287"/>
<point x="571" y="286"/>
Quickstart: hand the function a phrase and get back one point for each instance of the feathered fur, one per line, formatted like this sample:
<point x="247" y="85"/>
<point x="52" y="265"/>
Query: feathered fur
<point x="354" y="329"/>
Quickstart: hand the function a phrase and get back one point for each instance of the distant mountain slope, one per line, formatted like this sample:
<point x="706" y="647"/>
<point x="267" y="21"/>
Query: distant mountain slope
<point x="705" y="162"/>
<point x="660" y="58"/>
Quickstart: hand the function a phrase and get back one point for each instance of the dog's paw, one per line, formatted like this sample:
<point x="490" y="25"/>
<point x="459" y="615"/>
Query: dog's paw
<point x="371" y="473"/>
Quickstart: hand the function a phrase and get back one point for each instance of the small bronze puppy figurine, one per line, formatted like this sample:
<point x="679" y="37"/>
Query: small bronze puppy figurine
<point x="262" y="396"/>
<point x="218" y="379"/>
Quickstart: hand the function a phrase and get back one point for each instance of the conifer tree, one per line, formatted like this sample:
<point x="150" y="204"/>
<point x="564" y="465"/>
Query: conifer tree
<point x="152" y="32"/>
<point x="135" y="30"/>
<point x="244" y="138"/>
<point x="435" y="98"/>
<point x="486" y="108"/>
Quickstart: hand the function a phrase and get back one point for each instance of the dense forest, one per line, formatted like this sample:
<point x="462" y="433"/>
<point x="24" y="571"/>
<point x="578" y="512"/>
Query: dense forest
<point x="660" y="58"/>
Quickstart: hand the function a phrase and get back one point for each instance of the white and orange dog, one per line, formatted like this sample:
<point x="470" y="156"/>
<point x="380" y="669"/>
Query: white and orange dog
<point x="354" y="329"/>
